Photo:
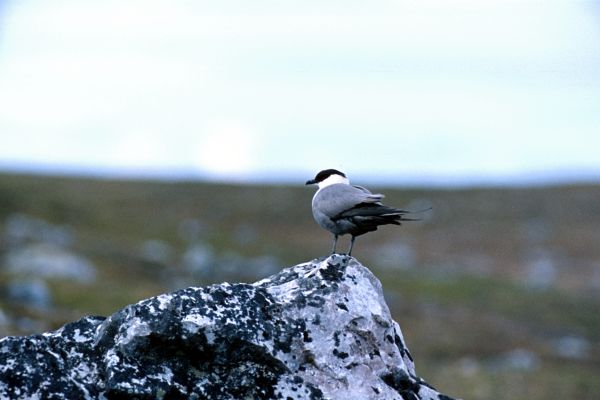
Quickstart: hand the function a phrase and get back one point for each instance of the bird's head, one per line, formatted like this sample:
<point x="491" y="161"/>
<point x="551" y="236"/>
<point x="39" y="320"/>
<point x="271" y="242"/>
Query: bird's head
<point x="328" y="177"/>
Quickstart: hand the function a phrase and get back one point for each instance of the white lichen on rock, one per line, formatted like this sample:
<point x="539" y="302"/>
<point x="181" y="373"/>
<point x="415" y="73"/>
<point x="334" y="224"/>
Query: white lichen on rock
<point x="319" y="330"/>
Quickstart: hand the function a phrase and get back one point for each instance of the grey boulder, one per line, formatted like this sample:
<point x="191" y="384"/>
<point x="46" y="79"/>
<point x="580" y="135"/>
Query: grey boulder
<point x="318" y="330"/>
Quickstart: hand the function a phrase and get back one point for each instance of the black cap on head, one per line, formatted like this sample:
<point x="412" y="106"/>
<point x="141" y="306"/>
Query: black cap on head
<point x="326" y="173"/>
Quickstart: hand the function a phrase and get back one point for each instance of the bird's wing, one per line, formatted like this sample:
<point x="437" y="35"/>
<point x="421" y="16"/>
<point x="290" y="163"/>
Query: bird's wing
<point x="336" y="199"/>
<point x="363" y="189"/>
<point x="372" y="197"/>
<point x="372" y="210"/>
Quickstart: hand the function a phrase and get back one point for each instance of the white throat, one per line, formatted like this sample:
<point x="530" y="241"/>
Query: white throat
<point x="332" y="180"/>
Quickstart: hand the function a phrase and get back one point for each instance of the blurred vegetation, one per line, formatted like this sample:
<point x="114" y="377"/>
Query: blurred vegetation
<point x="497" y="290"/>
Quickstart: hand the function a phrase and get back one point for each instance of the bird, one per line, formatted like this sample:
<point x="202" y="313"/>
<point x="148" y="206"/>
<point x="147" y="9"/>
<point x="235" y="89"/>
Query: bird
<point x="343" y="209"/>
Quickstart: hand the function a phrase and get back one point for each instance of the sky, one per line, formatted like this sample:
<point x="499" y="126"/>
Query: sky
<point x="419" y="91"/>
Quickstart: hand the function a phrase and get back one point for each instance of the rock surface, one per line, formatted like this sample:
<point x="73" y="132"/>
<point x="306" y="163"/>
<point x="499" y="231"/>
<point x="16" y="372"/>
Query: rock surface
<point x="319" y="330"/>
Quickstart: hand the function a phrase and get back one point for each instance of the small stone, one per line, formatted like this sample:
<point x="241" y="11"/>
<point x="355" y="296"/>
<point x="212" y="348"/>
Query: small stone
<point x="34" y="293"/>
<point x="44" y="260"/>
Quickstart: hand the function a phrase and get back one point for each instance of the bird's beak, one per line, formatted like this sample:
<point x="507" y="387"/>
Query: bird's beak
<point x="311" y="182"/>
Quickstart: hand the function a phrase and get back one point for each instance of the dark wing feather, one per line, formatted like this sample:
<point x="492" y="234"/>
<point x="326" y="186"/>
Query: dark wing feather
<point x="366" y="217"/>
<point x="373" y="210"/>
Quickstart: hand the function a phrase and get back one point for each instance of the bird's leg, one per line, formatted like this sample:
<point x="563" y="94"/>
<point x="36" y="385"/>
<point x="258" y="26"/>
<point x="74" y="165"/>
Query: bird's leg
<point x="351" y="245"/>
<point x="334" y="243"/>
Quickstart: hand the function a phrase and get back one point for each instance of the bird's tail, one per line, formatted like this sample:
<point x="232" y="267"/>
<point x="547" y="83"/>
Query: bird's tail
<point x="401" y="214"/>
<point x="367" y="217"/>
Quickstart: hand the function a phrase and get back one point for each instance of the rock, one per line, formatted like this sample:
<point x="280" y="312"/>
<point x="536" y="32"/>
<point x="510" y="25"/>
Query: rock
<point x="157" y="252"/>
<point x="517" y="360"/>
<point x="319" y="330"/>
<point x="388" y="254"/>
<point x="20" y="229"/>
<point x="573" y="347"/>
<point x="4" y="323"/>
<point x="541" y="271"/>
<point x="199" y="259"/>
<point x="191" y="229"/>
<point x="33" y="293"/>
<point x="44" y="260"/>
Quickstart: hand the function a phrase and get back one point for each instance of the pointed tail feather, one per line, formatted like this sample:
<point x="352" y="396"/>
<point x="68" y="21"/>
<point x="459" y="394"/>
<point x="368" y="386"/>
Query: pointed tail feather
<point x="378" y="214"/>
